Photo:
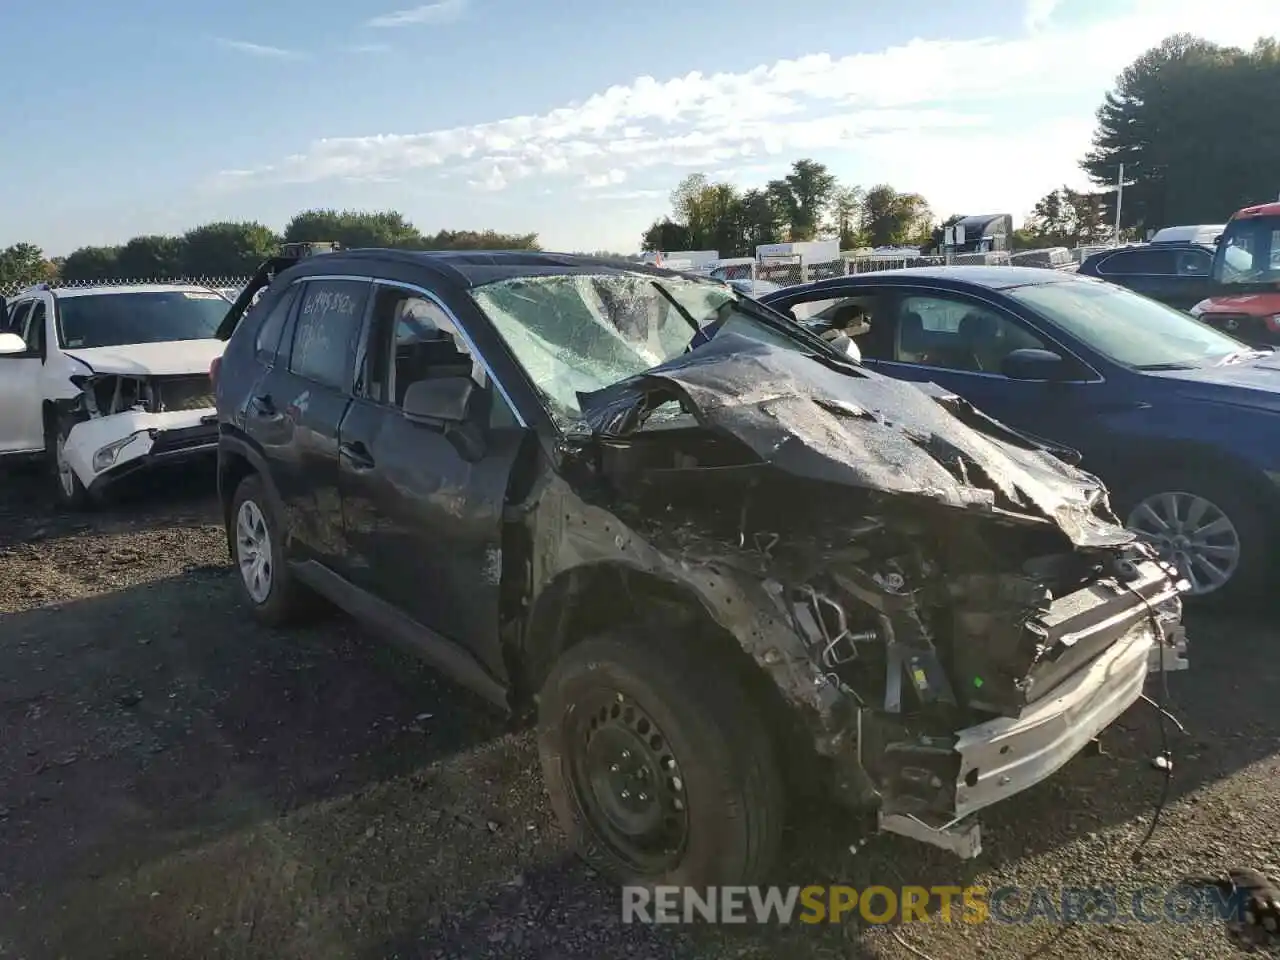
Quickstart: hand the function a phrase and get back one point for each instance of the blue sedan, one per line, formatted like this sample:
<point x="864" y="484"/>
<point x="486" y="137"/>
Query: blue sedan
<point x="1180" y="420"/>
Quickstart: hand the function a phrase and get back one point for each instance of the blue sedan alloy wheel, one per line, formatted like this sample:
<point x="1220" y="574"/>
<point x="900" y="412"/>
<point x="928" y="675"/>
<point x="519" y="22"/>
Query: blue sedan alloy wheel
<point x="1192" y="533"/>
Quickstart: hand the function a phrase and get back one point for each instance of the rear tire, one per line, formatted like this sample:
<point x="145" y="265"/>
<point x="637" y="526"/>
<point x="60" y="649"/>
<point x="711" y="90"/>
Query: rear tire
<point x="266" y="583"/>
<point x="1202" y="520"/>
<point x="636" y="708"/>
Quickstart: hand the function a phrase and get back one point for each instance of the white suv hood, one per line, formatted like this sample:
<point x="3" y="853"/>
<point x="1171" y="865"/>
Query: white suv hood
<point x="151" y="359"/>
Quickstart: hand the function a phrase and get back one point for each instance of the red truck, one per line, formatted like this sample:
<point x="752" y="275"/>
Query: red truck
<point x="1246" y="274"/>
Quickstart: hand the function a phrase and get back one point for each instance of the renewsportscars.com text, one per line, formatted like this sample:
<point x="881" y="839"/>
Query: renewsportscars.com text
<point x="937" y="904"/>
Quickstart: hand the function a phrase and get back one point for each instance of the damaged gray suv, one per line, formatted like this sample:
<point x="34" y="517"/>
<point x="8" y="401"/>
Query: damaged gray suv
<point x="706" y="548"/>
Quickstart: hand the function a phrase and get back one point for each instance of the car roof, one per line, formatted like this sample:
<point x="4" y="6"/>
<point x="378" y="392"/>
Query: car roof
<point x="990" y="277"/>
<point x="474" y="268"/>
<point x="1195" y="232"/>
<point x="1260" y="210"/>
<point x="1174" y="245"/>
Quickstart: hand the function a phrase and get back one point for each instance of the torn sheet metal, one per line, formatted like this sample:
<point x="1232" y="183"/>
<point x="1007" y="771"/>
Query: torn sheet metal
<point x="826" y="421"/>
<point x="570" y="534"/>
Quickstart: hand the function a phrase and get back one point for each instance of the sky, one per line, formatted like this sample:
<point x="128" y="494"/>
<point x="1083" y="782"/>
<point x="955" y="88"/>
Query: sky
<point x="572" y="119"/>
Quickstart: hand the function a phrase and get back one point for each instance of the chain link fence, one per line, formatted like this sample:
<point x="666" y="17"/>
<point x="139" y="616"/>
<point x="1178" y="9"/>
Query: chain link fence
<point x="783" y="272"/>
<point x="786" y="273"/>
<point x="228" y="285"/>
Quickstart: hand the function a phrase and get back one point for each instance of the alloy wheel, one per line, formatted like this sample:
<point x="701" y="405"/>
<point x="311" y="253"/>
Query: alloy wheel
<point x="1193" y="534"/>
<point x="253" y="551"/>
<point x="66" y="476"/>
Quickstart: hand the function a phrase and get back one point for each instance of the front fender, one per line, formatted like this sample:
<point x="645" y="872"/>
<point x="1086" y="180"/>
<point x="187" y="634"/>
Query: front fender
<point x="572" y="538"/>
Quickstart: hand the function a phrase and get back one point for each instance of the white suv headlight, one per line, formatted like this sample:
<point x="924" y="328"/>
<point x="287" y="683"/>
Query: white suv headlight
<point x="106" y="456"/>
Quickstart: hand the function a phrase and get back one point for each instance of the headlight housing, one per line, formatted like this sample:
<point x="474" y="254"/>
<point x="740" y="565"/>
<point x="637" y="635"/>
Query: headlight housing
<point x="107" y="455"/>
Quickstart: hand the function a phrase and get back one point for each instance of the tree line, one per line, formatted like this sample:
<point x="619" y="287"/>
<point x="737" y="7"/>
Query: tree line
<point x="808" y="203"/>
<point x="1192" y="122"/>
<point x="234" y="249"/>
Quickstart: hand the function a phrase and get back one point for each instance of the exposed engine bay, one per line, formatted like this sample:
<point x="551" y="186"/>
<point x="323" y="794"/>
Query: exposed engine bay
<point x="106" y="394"/>
<point x="971" y="600"/>
<point x="119" y="422"/>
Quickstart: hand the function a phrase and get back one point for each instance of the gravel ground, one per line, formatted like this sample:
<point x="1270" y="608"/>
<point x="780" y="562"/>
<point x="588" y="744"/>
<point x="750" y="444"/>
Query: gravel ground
<point x="177" y="782"/>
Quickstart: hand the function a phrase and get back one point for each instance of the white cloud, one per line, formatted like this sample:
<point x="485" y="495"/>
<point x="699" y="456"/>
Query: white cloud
<point x="990" y="123"/>
<point x="258" y="49"/>
<point x="610" y="178"/>
<point x="443" y="11"/>
<point x="1038" y="13"/>
<point x="630" y="196"/>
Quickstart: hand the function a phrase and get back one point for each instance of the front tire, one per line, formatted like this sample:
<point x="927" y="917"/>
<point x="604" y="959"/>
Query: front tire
<point x="257" y="551"/>
<point x="68" y="492"/>
<point x="657" y="766"/>
<point x="1208" y="526"/>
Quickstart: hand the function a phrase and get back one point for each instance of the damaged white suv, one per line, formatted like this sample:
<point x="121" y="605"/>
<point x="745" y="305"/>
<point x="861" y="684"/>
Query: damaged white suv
<point x="105" y="381"/>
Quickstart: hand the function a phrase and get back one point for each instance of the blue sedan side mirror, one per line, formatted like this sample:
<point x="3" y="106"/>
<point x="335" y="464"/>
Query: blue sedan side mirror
<point x="1032" y="364"/>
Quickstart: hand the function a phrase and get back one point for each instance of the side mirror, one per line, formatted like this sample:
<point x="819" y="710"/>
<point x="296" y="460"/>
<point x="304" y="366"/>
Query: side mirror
<point x="440" y="402"/>
<point x="1032" y="364"/>
<point x="11" y="343"/>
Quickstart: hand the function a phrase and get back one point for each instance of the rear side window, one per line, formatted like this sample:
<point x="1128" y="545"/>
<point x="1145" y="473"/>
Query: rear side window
<point x="18" y="316"/>
<point x="1148" y="262"/>
<point x="324" y="337"/>
<point x="1194" y="263"/>
<point x="33" y="333"/>
<point x="267" y="343"/>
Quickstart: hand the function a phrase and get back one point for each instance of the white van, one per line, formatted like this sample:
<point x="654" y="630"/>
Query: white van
<point x="1205" y="234"/>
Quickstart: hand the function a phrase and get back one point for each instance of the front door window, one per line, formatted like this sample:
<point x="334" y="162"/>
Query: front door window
<point x="955" y="334"/>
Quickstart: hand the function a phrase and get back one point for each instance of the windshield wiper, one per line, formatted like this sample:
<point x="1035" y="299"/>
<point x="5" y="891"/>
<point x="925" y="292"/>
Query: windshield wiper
<point x="1171" y="365"/>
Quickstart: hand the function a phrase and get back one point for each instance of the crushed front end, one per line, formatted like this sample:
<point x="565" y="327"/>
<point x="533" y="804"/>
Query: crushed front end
<point x="120" y="424"/>
<point x="954" y="611"/>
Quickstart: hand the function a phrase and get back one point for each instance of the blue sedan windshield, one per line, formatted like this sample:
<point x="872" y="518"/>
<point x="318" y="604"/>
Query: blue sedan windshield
<point x="1126" y="327"/>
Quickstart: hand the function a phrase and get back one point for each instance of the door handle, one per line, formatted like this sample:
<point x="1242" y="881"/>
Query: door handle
<point x="357" y="454"/>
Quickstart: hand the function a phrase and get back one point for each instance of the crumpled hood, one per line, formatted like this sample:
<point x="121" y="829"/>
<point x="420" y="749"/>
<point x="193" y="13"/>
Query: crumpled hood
<point x="151" y="359"/>
<point x="814" y="419"/>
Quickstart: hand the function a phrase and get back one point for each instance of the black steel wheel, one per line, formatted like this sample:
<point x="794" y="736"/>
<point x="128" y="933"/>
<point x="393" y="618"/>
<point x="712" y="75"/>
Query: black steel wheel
<point x="627" y="783"/>
<point x="657" y="763"/>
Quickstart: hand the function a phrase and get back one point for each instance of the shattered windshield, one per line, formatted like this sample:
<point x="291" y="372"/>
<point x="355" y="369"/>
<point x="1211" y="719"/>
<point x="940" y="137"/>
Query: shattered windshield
<point x="581" y="333"/>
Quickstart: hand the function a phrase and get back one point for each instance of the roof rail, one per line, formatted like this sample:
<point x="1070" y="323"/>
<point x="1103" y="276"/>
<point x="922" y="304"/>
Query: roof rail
<point x="309" y="248"/>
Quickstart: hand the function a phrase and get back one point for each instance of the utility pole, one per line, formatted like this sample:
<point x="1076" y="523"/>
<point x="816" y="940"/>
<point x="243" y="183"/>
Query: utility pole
<point x="1119" y="200"/>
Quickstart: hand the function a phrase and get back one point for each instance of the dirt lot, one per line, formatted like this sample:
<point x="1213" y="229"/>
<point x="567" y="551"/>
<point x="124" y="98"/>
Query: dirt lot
<point x="176" y="782"/>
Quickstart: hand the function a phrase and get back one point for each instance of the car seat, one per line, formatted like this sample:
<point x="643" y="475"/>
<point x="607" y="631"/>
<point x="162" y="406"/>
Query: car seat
<point x="429" y="360"/>
<point x="911" y="342"/>
<point x="980" y="342"/>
